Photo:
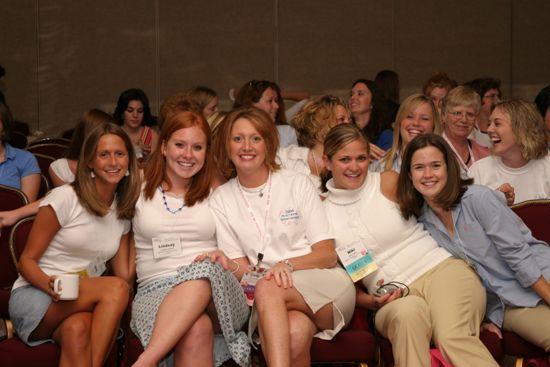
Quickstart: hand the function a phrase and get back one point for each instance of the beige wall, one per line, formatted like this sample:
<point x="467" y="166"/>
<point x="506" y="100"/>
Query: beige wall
<point x="63" y="57"/>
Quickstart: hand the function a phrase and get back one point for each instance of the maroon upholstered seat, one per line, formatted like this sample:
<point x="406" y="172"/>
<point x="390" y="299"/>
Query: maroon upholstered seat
<point x="353" y="344"/>
<point x="10" y="199"/>
<point x="535" y="214"/>
<point x="53" y="150"/>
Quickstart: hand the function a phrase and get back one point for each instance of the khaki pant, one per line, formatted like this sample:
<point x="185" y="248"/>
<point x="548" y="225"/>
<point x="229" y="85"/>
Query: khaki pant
<point x="447" y="304"/>
<point x="532" y="324"/>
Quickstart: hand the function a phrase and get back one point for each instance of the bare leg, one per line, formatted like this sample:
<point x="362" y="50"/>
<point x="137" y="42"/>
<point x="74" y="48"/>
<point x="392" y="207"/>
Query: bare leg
<point x="73" y="335"/>
<point x="105" y="298"/>
<point x="273" y="304"/>
<point x="195" y="348"/>
<point x="178" y="312"/>
<point x="302" y="330"/>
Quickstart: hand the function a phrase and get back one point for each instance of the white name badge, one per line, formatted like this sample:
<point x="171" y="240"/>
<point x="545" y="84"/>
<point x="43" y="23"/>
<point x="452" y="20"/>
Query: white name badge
<point x="96" y="268"/>
<point x="356" y="260"/>
<point x="166" y="247"/>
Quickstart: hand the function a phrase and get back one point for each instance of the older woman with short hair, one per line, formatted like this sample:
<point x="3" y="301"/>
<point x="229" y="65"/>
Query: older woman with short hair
<point x="458" y="113"/>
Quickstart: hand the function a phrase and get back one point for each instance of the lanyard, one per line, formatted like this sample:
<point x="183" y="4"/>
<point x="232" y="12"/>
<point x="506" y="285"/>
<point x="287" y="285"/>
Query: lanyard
<point x="459" y="158"/>
<point x="253" y="217"/>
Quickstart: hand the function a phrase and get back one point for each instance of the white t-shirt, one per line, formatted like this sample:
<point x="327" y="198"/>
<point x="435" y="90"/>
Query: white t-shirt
<point x="82" y="238"/>
<point x="531" y="181"/>
<point x="62" y="170"/>
<point x="296" y="219"/>
<point x="287" y="135"/>
<point x="193" y="226"/>
<point x="294" y="158"/>
<point x="481" y="138"/>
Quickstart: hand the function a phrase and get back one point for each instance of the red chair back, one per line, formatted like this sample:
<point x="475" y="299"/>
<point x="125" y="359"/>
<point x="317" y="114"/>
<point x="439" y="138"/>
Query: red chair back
<point x="44" y="162"/>
<point x="60" y="141"/>
<point x="10" y="199"/>
<point x="52" y="149"/>
<point x="18" y="237"/>
<point x="535" y="214"/>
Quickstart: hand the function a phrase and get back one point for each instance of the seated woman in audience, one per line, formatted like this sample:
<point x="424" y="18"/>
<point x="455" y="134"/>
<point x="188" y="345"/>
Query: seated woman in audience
<point x="542" y="100"/>
<point x="370" y="114"/>
<point x="519" y="153"/>
<point x="80" y="227"/>
<point x="62" y="171"/>
<point x="273" y="219"/>
<point x="134" y="115"/>
<point x="206" y="98"/>
<point x="387" y="83"/>
<point x="417" y="115"/>
<point x="312" y="123"/>
<point x="437" y="87"/>
<point x="489" y="92"/>
<point x="174" y="305"/>
<point x="474" y="224"/>
<point x="458" y="115"/>
<point x="266" y="96"/>
<point x="437" y="297"/>
<point x="18" y="168"/>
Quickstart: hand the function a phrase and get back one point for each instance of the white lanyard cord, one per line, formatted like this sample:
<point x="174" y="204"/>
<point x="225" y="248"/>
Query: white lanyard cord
<point x="253" y="217"/>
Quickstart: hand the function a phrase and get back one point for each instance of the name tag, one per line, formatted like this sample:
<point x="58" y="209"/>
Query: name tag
<point x="356" y="260"/>
<point x="96" y="268"/>
<point x="248" y="282"/>
<point x="166" y="247"/>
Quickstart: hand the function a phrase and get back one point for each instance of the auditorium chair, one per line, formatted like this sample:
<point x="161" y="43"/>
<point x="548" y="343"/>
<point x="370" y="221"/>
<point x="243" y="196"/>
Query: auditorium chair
<point x="536" y="215"/>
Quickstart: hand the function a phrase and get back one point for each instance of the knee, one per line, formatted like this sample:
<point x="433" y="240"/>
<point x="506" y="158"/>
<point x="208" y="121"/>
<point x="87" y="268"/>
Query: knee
<point x="266" y="292"/>
<point x="200" y="334"/>
<point x="117" y="292"/>
<point x="76" y="331"/>
<point x="410" y="314"/>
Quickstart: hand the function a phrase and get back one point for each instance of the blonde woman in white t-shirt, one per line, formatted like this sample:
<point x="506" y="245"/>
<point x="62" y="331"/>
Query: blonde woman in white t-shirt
<point x="273" y="219"/>
<point x="78" y="228"/>
<point x="519" y="154"/>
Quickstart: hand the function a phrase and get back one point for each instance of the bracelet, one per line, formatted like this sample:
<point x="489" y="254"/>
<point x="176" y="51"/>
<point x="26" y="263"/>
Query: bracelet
<point x="288" y="263"/>
<point x="238" y="267"/>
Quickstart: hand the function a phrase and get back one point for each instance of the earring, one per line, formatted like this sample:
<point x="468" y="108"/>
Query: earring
<point x="127" y="173"/>
<point x="92" y="174"/>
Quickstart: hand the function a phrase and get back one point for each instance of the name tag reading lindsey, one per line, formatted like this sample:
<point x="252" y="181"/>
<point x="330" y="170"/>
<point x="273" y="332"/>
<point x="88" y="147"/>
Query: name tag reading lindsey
<point x="356" y="260"/>
<point x="166" y="247"/>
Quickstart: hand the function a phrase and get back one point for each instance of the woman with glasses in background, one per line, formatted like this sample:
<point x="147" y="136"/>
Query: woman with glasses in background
<point x="458" y="113"/>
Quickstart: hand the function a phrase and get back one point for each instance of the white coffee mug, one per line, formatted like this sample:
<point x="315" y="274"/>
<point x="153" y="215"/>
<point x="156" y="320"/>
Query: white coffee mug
<point x="66" y="285"/>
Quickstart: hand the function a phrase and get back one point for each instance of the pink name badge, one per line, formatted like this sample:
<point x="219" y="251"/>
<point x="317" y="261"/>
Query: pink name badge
<point x="248" y="282"/>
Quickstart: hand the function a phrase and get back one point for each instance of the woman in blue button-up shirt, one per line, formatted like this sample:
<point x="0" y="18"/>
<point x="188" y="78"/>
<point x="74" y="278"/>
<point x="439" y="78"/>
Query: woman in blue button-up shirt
<point x="474" y="223"/>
